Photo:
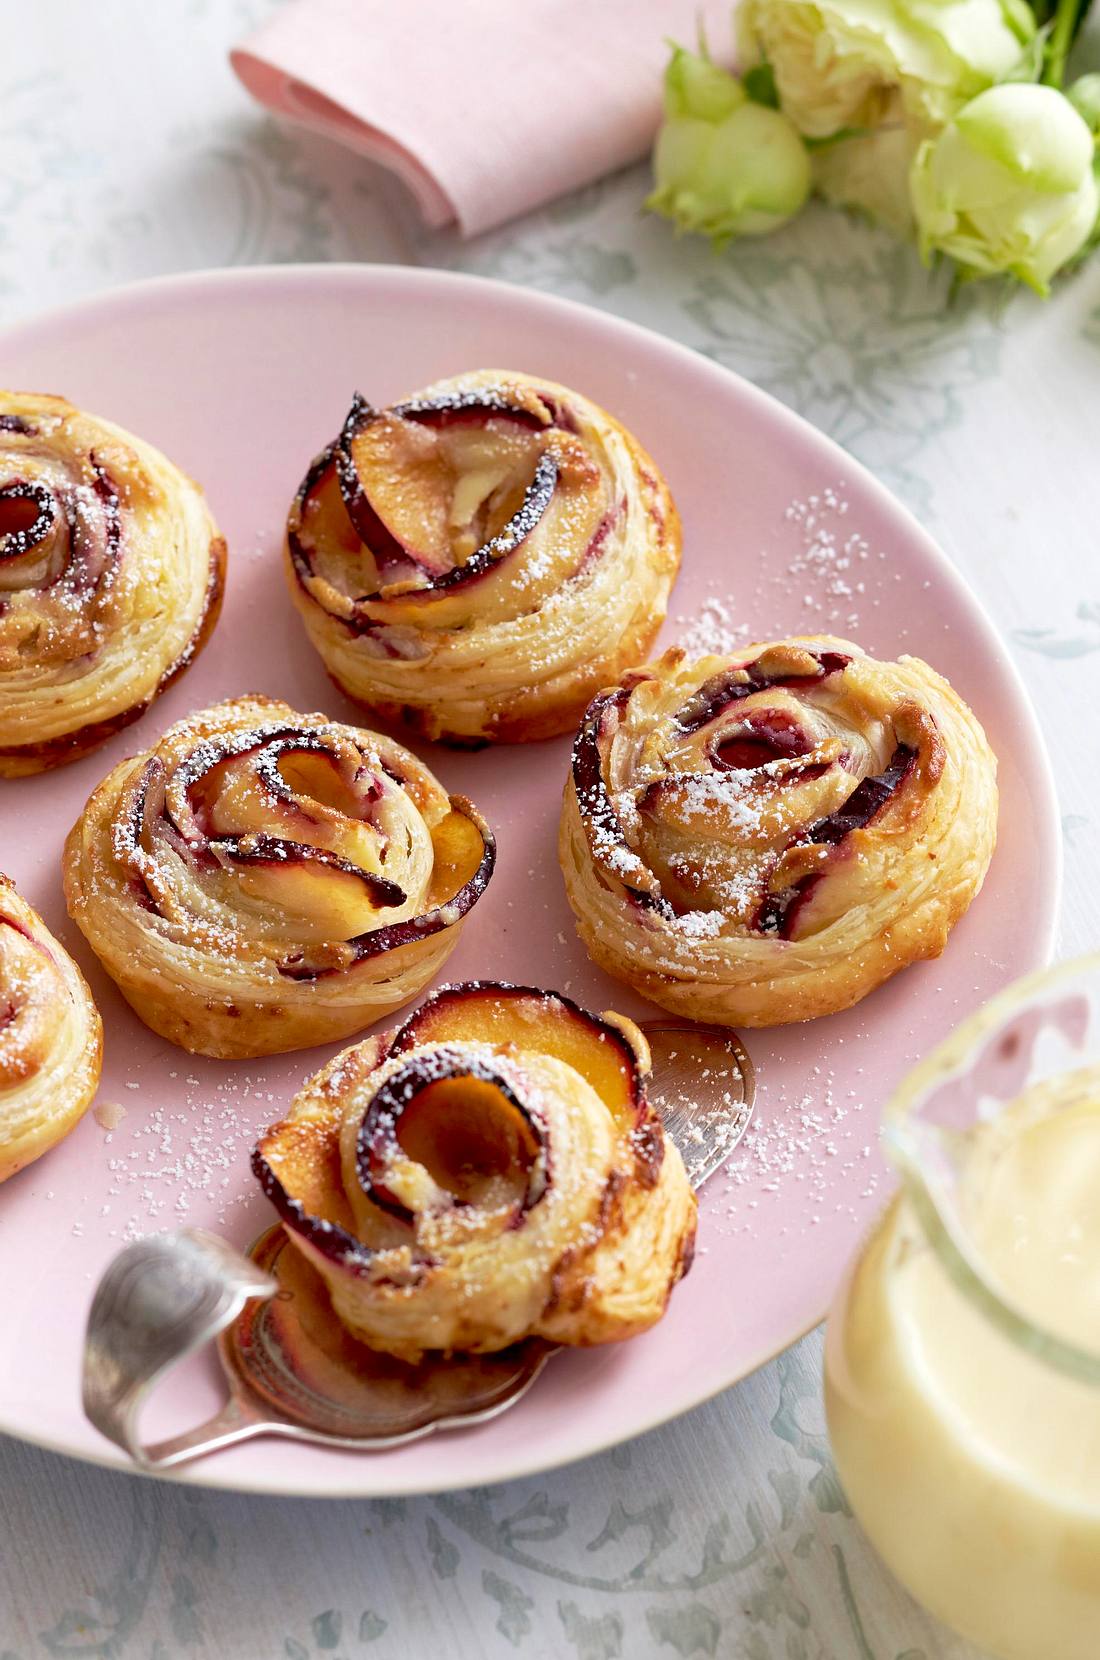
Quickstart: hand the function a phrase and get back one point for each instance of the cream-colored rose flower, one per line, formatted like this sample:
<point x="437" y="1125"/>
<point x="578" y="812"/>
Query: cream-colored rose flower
<point x="869" y="170"/>
<point x="842" y="64"/>
<point x="1009" y="186"/>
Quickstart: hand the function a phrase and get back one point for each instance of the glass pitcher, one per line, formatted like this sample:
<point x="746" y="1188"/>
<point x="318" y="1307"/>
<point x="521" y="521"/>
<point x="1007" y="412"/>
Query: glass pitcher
<point x="962" y="1358"/>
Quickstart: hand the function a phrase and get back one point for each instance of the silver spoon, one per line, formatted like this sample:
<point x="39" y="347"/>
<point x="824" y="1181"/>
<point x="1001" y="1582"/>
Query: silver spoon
<point x="291" y="1368"/>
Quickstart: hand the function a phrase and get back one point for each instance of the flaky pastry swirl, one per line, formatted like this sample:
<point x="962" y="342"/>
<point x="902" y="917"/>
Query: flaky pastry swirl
<point x="111" y="573"/>
<point x="51" y="1038"/>
<point x="764" y="838"/>
<point x="479" y="560"/>
<point x="262" y="880"/>
<point x="489" y="1172"/>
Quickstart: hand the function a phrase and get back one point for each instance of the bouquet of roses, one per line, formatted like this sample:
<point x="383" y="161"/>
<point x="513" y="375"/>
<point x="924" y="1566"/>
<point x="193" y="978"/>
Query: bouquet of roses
<point x="944" y="119"/>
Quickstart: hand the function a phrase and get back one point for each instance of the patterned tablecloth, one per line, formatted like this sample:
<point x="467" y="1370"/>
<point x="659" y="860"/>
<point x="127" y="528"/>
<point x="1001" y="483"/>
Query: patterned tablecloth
<point x="126" y="150"/>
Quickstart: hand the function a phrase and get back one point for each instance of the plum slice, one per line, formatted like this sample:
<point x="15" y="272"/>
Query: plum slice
<point x="465" y="854"/>
<point x="866" y="800"/>
<point x="520" y="1017"/>
<point x="328" y="897"/>
<point x="306" y="766"/>
<point x="602" y="826"/>
<point x="297" y="1164"/>
<point x="75" y="536"/>
<point x="779" y="912"/>
<point x="463" y="1122"/>
<point x="728" y="686"/>
<point x="438" y="486"/>
<point x="278" y="784"/>
<point x="305" y="793"/>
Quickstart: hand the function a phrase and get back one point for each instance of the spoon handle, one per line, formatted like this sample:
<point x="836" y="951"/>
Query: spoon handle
<point x="237" y="1420"/>
<point x="160" y="1300"/>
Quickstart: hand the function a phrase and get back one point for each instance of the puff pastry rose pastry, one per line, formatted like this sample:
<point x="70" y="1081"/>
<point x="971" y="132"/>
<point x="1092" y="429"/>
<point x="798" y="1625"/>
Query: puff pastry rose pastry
<point x="764" y="838"/>
<point x="51" y="1038"/>
<point x="111" y="572"/>
<point x="479" y="560"/>
<point x="262" y="880"/>
<point x="490" y="1171"/>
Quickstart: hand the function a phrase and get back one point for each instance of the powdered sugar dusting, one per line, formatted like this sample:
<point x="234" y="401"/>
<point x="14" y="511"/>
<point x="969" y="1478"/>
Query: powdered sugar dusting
<point x="713" y="630"/>
<point x="171" y="1161"/>
<point x="827" y="575"/>
<point x="816" y="1140"/>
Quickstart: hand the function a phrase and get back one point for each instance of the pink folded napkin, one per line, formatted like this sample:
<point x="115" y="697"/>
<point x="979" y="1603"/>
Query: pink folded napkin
<point x="485" y="108"/>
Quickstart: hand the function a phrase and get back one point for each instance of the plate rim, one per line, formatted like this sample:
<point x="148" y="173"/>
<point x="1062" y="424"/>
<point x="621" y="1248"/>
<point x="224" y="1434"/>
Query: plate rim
<point x="1031" y="748"/>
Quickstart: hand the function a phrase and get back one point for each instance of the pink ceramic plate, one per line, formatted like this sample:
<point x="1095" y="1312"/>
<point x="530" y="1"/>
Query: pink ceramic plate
<point x="241" y="376"/>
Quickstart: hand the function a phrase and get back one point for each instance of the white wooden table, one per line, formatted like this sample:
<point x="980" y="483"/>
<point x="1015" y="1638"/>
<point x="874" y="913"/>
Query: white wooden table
<point x="126" y="150"/>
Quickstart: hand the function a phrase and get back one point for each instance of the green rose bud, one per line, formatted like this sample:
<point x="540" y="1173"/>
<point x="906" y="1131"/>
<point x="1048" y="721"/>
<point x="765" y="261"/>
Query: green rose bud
<point x="723" y="165"/>
<point x="1084" y="95"/>
<point x="1008" y="186"/>
<point x="843" y="64"/>
<point x="695" y="85"/>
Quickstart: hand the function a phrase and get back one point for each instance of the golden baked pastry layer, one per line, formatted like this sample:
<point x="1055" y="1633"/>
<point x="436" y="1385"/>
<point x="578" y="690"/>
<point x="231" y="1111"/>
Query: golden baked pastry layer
<point x="111" y="574"/>
<point x="51" y="1038"/>
<point x="262" y="880"/>
<point x="479" y="560"/>
<point x="490" y="1171"/>
<point x="764" y="838"/>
